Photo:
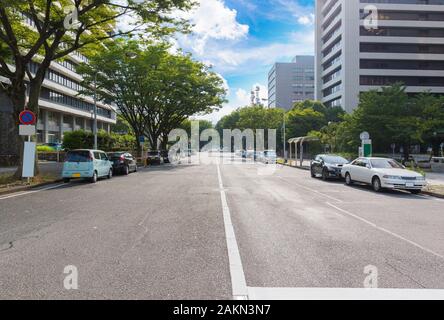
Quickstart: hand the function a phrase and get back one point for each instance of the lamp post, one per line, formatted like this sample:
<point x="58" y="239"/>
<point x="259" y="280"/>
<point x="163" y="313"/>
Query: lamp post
<point x="95" y="112"/>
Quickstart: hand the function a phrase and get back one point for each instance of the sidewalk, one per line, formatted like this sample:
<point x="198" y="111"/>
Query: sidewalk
<point x="297" y="163"/>
<point x="435" y="178"/>
<point x="46" y="168"/>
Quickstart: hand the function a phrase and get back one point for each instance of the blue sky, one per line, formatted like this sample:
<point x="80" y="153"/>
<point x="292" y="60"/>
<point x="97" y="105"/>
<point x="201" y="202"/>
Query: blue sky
<point x="243" y="38"/>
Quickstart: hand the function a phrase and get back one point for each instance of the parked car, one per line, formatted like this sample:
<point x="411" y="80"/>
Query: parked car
<point x="123" y="162"/>
<point x="269" y="157"/>
<point x="327" y="166"/>
<point x="86" y="164"/>
<point x="154" y="157"/>
<point x="383" y="173"/>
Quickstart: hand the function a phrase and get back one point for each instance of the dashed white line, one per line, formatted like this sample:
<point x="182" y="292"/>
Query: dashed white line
<point x="386" y="231"/>
<point x="312" y="190"/>
<point x="30" y="192"/>
<point x="238" y="282"/>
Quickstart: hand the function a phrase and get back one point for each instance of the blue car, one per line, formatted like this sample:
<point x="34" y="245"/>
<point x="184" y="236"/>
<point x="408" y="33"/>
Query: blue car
<point x="87" y="164"/>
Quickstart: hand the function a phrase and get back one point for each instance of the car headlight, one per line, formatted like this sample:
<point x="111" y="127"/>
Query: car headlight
<point x="420" y="178"/>
<point x="392" y="177"/>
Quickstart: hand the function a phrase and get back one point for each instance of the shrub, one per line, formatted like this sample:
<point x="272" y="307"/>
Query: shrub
<point x="45" y="149"/>
<point x="81" y="139"/>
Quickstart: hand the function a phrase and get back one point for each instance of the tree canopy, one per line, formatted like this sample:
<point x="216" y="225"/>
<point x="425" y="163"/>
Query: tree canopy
<point x="154" y="90"/>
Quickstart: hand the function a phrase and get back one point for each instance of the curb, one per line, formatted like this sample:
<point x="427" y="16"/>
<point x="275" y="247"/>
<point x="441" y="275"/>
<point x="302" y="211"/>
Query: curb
<point x="25" y="188"/>
<point x="297" y="167"/>
<point x="432" y="194"/>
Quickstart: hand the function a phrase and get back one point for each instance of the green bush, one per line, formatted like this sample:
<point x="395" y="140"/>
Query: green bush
<point x="45" y="149"/>
<point x="81" y="139"/>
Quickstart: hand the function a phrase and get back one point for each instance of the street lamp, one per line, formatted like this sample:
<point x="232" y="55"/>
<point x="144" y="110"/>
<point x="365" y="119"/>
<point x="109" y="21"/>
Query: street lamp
<point x="95" y="111"/>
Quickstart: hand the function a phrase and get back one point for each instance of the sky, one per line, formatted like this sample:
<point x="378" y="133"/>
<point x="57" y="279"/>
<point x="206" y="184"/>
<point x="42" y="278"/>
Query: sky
<point x="242" y="39"/>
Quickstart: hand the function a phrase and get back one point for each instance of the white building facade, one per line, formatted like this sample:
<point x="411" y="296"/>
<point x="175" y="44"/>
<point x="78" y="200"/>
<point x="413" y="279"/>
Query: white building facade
<point x="61" y="108"/>
<point x="355" y="53"/>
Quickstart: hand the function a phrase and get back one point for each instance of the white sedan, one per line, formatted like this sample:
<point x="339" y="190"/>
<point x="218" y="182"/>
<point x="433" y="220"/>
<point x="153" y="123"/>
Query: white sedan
<point x="383" y="173"/>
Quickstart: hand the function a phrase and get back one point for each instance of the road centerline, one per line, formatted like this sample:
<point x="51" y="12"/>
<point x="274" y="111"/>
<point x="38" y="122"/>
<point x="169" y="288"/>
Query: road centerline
<point x="238" y="282"/>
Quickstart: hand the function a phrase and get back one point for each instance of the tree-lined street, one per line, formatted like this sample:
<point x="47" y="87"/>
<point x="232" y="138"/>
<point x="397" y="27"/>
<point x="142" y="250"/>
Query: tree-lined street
<point x="159" y="234"/>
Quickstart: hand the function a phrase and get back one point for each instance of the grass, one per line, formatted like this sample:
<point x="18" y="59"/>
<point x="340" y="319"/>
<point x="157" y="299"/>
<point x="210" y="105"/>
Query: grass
<point x="439" y="189"/>
<point x="8" y="180"/>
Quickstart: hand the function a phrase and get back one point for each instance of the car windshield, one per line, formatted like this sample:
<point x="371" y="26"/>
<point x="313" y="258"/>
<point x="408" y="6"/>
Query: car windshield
<point x="335" y="159"/>
<point x="386" y="164"/>
<point x="153" y="153"/>
<point x="115" y="155"/>
<point x="78" y="156"/>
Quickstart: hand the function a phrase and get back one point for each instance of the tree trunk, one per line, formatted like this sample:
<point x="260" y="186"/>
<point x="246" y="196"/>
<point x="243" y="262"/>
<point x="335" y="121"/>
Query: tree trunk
<point x="18" y="100"/>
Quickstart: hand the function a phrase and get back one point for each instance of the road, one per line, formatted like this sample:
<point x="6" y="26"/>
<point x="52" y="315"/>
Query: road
<point x="213" y="231"/>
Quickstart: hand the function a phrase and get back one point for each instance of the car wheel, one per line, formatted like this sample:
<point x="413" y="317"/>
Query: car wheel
<point x="126" y="170"/>
<point x="312" y="173"/>
<point x="94" y="177"/>
<point x="110" y="174"/>
<point x="66" y="180"/>
<point x="135" y="168"/>
<point x="324" y="174"/>
<point x="415" y="191"/>
<point x="376" y="183"/>
<point x="348" y="179"/>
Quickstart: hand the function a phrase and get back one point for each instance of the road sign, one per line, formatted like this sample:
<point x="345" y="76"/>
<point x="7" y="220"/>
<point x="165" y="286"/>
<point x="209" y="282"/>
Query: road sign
<point x="365" y="135"/>
<point x="27" y="117"/>
<point x="25" y="130"/>
<point x="142" y="139"/>
<point x="28" y="160"/>
<point x="367" y="148"/>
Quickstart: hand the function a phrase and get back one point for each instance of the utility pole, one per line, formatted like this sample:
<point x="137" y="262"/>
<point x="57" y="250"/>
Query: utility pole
<point x="95" y="112"/>
<point x="285" y="142"/>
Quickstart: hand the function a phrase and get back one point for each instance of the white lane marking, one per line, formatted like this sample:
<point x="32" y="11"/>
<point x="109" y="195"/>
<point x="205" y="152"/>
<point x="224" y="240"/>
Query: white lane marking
<point x="386" y="231"/>
<point x="31" y="192"/>
<point x="312" y="190"/>
<point x="238" y="282"/>
<point x="343" y="294"/>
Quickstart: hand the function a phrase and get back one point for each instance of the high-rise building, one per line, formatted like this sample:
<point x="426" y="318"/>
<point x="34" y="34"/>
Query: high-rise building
<point x="366" y="44"/>
<point x="291" y="82"/>
<point x="61" y="109"/>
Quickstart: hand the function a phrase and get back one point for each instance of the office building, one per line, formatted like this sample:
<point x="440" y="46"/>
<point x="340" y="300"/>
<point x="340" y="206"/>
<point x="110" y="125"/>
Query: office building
<point x="354" y="53"/>
<point x="291" y="82"/>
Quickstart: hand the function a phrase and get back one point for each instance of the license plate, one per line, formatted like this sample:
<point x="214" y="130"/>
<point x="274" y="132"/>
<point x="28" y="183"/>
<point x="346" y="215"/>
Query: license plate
<point x="410" y="184"/>
<point x="76" y="175"/>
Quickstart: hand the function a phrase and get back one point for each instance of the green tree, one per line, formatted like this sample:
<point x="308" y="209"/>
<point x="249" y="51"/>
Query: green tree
<point x="154" y="90"/>
<point x="300" y="122"/>
<point x="56" y="29"/>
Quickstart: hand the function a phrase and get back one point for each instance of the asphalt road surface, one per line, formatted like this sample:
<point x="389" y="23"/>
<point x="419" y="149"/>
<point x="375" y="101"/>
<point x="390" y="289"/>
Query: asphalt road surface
<point x="215" y="232"/>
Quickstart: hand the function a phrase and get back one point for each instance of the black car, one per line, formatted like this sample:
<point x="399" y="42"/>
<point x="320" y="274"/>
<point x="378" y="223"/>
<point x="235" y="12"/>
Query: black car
<point x="154" y="157"/>
<point x="327" y="166"/>
<point x="123" y="162"/>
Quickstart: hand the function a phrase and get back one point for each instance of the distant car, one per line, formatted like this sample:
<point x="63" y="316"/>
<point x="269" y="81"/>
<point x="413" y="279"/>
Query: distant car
<point x="383" y="173"/>
<point x="269" y="157"/>
<point x="154" y="157"/>
<point x="123" y="162"/>
<point x="327" y="166"/>
<point x="86" y="164"/>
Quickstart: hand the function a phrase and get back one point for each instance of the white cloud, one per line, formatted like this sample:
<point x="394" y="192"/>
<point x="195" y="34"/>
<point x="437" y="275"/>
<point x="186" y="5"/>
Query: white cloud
<point x="212" y="20"/>
<point x="306" y="20"/>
